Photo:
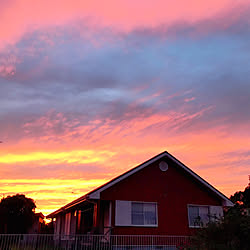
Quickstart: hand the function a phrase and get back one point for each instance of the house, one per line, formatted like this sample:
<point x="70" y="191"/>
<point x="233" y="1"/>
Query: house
<point x="161" y="196"/>
<point x="38" y="224"/>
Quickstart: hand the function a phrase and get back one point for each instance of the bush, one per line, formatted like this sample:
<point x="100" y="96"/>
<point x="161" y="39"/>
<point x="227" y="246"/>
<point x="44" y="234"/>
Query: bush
<point x="232" y="232"/>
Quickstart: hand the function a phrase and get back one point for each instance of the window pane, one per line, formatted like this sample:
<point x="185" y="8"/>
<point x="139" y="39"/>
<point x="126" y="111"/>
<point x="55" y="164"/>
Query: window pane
<point x="137" y="219"/>
<point x="150" y="214"/>
<point x="198" y="215"/>
<point x="204" y="217"/>
<point x="137" y="213"/>
<point x="149" y="207"/>
<point x="143" y="213"/>
<point x="193" y="213"/>
<point x="137" y="207"/>
<point x="150" y="218"/>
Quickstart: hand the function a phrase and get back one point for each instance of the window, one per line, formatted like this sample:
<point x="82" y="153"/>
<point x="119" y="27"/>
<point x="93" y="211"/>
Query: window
<point x="143" y="213"/>
<point x="198" y="216"/>
<point x="131" y="213"/>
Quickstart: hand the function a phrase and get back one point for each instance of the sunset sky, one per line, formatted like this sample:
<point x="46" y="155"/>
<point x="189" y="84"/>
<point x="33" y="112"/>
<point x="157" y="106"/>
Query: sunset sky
<point x="90" y="89"/>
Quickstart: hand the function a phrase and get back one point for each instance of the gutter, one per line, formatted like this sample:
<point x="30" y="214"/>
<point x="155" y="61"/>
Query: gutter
<point x="71" y="204"/>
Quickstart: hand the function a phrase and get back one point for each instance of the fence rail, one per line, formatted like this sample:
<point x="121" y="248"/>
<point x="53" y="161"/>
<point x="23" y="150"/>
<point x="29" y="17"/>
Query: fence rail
<point x="93" y="242"/>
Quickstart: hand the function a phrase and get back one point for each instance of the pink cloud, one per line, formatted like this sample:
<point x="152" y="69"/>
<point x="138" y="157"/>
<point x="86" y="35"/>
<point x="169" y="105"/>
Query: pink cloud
<point x="51" y="124"/>
<point x="118" y="147"/>
<point x="8" y="65"/>
<point x="20" y="16"/>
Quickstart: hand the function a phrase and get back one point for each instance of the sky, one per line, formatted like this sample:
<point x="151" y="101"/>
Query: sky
<point x="90" y="89"/>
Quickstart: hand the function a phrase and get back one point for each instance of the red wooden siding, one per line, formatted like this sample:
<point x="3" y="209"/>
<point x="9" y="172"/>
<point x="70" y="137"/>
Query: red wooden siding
<point x="173" y="190"/>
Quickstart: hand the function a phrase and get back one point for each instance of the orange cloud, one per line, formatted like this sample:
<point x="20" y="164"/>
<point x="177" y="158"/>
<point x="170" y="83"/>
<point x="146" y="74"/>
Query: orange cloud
<point x="119" y="147"/>
<point x="57" y="157"/>
<point x="79" y="156"/>
<point x="49" y="194"/>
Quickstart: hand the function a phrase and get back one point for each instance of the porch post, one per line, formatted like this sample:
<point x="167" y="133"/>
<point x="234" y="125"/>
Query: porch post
<point x="96" y="216"/>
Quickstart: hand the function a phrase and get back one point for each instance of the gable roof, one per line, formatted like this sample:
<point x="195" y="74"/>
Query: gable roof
<point x="95" y="194"/>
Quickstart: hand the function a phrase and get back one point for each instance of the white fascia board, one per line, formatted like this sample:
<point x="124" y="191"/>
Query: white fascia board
<point x="226" y="201"/>
<point x="96" y="194"/>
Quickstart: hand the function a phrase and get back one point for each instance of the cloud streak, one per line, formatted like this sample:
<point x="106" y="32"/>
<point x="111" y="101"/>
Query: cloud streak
<point x="87" y="92"/>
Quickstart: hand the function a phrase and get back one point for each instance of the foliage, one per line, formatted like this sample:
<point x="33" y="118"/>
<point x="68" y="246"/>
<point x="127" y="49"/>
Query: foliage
<point x="242" y="198"/>
<point x="232" y="232"/>
<point x="16" y="214"/>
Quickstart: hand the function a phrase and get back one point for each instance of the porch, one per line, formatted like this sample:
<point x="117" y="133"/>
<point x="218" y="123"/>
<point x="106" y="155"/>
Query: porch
<point x="87" y="217"/>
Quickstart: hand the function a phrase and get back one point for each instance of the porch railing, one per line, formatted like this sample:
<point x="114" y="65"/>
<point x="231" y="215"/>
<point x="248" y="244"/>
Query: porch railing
<point x="93" y="242"/>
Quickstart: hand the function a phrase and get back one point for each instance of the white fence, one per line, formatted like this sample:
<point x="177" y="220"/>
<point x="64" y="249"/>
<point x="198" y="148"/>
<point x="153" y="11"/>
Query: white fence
<point x="93" y="242"/>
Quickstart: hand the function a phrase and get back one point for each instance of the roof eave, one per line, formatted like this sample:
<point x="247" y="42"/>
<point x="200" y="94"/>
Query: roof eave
<point x="67" y="206"/>
<point x="95" y="194"/>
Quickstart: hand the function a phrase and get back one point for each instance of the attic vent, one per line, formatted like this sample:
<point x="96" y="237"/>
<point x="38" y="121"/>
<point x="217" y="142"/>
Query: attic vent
<point x="163" y="166"/>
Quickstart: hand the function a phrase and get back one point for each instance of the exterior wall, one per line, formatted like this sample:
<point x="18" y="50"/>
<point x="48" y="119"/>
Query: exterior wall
<point x="65" y="224"/>
<point x="58" y="225"/>
<point x="173" y="190"/>
<point x="37" y="225"/>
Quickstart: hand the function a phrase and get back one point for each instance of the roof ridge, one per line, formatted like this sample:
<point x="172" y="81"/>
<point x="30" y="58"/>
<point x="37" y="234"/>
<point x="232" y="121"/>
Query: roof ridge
<point x="95" y="193"/>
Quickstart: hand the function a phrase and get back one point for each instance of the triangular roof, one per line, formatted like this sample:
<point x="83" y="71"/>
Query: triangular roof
<point x="95" y="194"/>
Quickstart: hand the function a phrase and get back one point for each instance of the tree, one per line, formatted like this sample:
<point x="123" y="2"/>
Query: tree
<point x="242" y="198"/>
<point x="16" y="214"/>
<point x="230" y="232"/>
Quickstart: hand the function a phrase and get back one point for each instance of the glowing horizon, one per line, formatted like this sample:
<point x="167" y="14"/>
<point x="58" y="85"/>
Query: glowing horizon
<point x="90" y="89"/>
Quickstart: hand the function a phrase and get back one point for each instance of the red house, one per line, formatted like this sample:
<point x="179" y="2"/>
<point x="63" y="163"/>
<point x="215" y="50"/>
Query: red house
<point x="161" y="196"/>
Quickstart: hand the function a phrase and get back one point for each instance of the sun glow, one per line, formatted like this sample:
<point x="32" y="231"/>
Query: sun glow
<point x="88" y="90"/>
<point x="79" y="156"/>
<point x="49" y="194"/>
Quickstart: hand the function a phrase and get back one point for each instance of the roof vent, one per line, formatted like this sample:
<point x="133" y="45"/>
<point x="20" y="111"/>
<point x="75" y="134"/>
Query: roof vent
<point x="163" y="166"/>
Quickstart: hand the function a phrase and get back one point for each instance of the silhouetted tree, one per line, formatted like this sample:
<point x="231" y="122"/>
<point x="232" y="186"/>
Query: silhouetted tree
<point x="16" y="214"/>
<point x="231" y="232"/>
<point x="242" y="197"/>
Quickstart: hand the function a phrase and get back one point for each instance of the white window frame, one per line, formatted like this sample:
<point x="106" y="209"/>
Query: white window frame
<point x="156" y="214"/>
<point x="121" y="214"/>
